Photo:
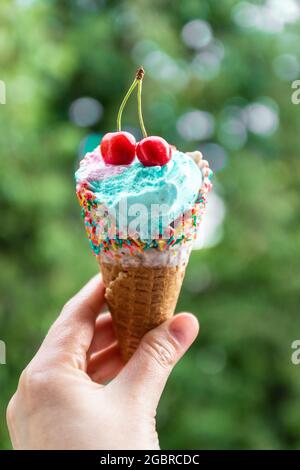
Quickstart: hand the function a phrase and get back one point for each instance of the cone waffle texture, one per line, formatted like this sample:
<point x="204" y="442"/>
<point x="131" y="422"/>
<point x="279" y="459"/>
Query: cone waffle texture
<point x="140" y="298"/>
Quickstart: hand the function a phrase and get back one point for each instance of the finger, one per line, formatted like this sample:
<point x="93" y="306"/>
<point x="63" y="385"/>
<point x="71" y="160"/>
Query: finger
<point x="71" y="334"/>
<point x="147" y="372"/>
<point x="105" y="365"/>
<point x="104" y="335"/>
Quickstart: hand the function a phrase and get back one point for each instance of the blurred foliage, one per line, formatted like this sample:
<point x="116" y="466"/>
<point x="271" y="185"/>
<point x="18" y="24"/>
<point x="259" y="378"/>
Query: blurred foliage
<point x="236" y="388"/>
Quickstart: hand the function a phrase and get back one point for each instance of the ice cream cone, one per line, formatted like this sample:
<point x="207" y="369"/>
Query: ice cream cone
<point x="139" y="299"/>
<point x="142" y="275"/>
<point x="142" y="294"/>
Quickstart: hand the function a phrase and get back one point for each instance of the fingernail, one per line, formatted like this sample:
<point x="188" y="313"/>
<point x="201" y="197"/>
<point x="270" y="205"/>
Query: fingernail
<point x="184" y="328"/>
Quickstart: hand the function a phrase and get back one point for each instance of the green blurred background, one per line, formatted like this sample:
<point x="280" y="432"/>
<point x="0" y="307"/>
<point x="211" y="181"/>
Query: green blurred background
<point x="218" y="78"/>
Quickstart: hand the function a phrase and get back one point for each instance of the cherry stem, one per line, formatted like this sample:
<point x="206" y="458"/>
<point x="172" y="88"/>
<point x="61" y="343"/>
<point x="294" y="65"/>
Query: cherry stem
<point x="139" y="94"/>
<point x="137" y="81"/>
<point x="123" y="104"/>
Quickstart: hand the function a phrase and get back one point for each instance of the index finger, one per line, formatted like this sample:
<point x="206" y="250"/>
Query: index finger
<point x="73" y="331"/>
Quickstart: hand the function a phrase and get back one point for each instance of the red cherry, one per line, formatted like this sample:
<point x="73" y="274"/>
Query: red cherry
<point x="118" y="148"/>
<point x="153" y="151"/>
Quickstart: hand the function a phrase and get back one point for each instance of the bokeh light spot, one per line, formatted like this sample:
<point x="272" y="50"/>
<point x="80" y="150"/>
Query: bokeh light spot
<point x="206" y="65"/>
<point x="196" y="125"/>
<point x="261" y="118"/>
<point x="286" y="67"/>
<point x="197" y="34"/>
<point x="232" y="131"/>
<point x="271" y="17"/>
<point x="85" y="111"/>
<point x="211" y="230"/>
<point x="161" y="66"/>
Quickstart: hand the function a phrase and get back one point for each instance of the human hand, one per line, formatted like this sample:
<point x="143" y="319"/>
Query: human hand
<point x="62" y="402"/>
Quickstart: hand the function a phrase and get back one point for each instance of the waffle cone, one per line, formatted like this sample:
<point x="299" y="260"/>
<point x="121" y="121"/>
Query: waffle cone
<point x="140" y="298"/>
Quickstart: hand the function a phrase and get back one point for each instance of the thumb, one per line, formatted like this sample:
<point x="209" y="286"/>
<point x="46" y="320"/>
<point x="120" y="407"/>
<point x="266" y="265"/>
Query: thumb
<point x="147" y="371"/>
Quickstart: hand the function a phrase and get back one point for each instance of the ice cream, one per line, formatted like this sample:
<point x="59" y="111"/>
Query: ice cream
<point x="174" y="186"/>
